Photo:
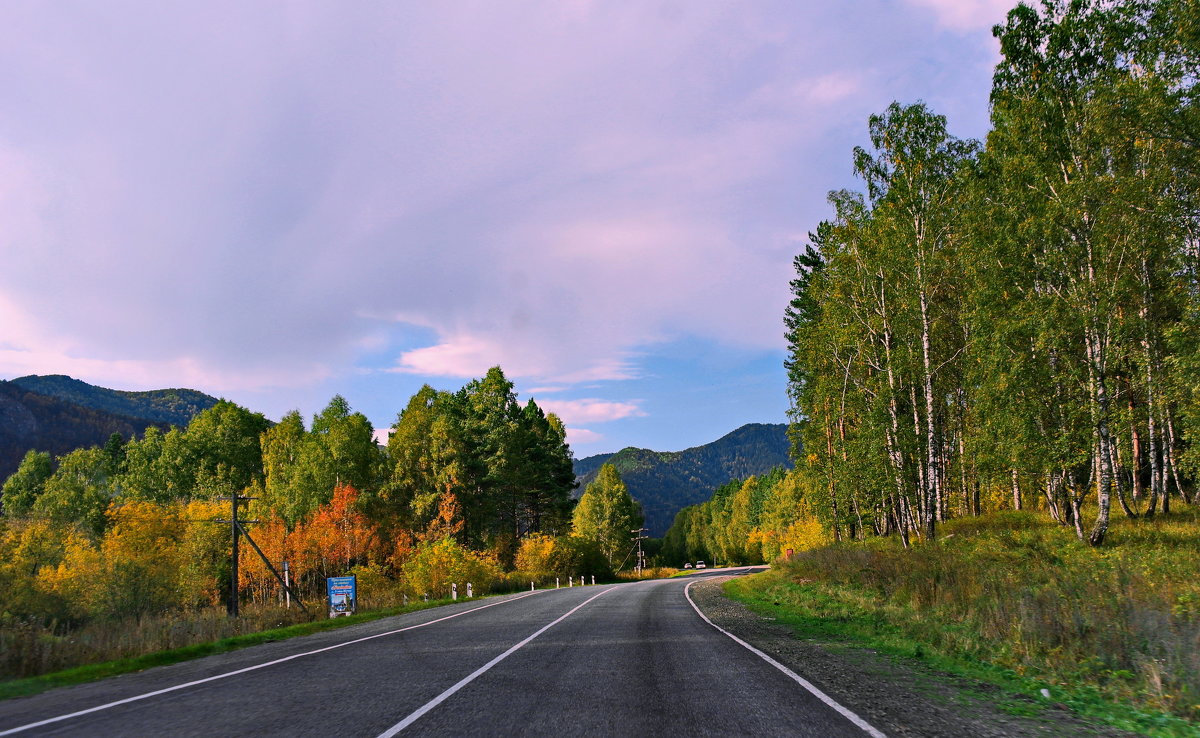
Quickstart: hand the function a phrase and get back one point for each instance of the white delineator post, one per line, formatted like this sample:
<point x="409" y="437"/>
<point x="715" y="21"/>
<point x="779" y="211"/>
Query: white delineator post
<point x="557" y="583"/>
<point x="454" y="591"/>
<point x="593" y="579"/>
<point x="470" y="591"/>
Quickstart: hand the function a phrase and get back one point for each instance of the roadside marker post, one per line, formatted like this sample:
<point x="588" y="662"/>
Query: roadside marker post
<point x="557" y="583"/>
<point x="593" y="579"/>
<point x="454" y="591"/>
<point x="470" y="592"/>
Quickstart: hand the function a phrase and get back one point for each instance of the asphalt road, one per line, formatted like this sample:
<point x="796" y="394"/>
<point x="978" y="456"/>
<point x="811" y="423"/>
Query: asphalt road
<point x="625" y="659"/>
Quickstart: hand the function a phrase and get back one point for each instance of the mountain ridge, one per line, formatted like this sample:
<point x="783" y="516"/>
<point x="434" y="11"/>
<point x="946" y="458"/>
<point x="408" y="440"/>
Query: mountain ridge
<point x="176" y="406"/>
<point x="58" y="414"/>
<point x="664" y="482"/>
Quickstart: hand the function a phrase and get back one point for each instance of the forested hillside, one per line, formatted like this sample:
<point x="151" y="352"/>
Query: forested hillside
<point x="30" y="420"/>
<point x="171" y="406"/>
<point x="665" y="482"/>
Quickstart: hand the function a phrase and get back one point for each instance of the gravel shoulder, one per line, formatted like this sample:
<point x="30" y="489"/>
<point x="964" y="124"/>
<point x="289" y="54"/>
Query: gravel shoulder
<point x="901" y="697"/>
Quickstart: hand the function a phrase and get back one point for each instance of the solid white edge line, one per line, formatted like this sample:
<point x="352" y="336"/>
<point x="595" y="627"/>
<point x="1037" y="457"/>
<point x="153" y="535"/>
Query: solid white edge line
<point x="843" y="711"/>
<point x="416" y="715"/>
<point x="215" y="677"/>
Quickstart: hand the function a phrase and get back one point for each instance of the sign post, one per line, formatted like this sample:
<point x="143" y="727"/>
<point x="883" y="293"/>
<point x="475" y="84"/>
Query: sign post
<point x="342" y="595"/>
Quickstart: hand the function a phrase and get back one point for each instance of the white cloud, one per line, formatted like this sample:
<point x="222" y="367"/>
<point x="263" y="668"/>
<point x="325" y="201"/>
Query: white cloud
<point x="591" y="410"/>
<point x="580" y="436"/>
<point x="456" y="356"/>
<point x="546" y="390"/>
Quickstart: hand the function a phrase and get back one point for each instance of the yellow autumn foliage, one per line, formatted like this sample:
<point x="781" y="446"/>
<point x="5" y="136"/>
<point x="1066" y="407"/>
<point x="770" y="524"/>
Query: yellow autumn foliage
<point x="435" y="565"/>
<point x="535" y="556"/>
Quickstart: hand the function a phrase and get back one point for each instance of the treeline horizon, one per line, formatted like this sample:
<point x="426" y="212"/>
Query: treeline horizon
<point x="471" y="484"/>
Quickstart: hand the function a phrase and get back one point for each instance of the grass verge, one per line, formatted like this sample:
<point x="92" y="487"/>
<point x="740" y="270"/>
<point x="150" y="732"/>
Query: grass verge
<point x="1015" y="601"/>
<point x="93" y="672"/>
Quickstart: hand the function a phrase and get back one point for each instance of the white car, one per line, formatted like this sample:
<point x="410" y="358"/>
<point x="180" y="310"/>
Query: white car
<point x="688" y="565"/>
<point x="701" y="565"/>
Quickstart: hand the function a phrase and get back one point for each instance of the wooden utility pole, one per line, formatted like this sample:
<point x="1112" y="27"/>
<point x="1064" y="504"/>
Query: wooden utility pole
<point x="641" y="558"/>
<point x="236" y="528"/>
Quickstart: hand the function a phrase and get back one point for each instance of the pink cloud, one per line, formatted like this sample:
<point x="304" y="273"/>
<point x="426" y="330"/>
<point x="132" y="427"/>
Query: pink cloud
<point x="459" y="356"/>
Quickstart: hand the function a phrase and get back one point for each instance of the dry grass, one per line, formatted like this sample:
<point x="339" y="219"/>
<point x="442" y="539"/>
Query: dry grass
<point x="1021" y="592"/>
<point x="29" y="650"/>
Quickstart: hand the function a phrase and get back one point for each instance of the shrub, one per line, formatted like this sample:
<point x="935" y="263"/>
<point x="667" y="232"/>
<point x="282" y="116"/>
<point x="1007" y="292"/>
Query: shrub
<point x="575" y="556"/>
<point x="435" y="565"/>
<point x="535" y="557"/>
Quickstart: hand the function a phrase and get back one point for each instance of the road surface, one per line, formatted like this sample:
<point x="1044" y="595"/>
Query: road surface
<point x="623" y="659"/>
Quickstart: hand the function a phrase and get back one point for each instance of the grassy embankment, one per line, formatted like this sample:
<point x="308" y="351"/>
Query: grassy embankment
<point x="1014" y="599"/>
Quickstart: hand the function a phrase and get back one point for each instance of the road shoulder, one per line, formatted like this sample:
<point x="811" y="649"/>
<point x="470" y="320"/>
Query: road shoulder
<point x="901" y="697"/>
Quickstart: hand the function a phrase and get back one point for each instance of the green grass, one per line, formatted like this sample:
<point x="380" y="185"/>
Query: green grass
<point x="94" y="672"/>
<point x="1014" y="600"/>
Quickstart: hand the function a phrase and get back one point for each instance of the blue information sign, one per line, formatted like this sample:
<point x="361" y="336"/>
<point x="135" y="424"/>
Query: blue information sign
<point x="343" y="595"/>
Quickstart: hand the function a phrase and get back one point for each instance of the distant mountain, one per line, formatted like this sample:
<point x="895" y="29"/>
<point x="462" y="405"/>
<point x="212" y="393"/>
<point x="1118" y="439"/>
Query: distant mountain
<point x="666" y="482"/>
<point x="59" y="414"/>
<point x="173" y="406"/>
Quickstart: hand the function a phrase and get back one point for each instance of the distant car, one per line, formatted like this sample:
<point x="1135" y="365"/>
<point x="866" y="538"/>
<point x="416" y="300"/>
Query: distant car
<point x="688" y="565"/>
<point x="701" y="565"/>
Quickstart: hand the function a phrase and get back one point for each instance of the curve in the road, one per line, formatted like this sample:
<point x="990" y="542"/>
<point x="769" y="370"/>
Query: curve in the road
<point x="568" y="662"/>
<point x="844" y="711"/>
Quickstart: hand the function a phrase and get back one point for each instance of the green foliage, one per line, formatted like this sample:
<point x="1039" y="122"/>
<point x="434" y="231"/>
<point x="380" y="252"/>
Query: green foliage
<point x="507" y="465"/>
<point x="78" y="492"/>
<point x="607" y="516"/>
<point x="576" y="556"/>
<point x="223" y="442"/>
<point x="1013" y="325"/>
<point x="746" y="522"/>
<point x="26" y="484"/>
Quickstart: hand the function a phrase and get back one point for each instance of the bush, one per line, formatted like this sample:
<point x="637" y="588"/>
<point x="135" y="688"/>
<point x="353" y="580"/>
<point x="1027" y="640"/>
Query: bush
<point x="575" y="556"/>
<point x="535" y="558"/>
<point x="435" y="565"/>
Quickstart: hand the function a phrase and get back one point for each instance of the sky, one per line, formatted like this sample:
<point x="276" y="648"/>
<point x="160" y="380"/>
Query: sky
<point x="275" y="203"/>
